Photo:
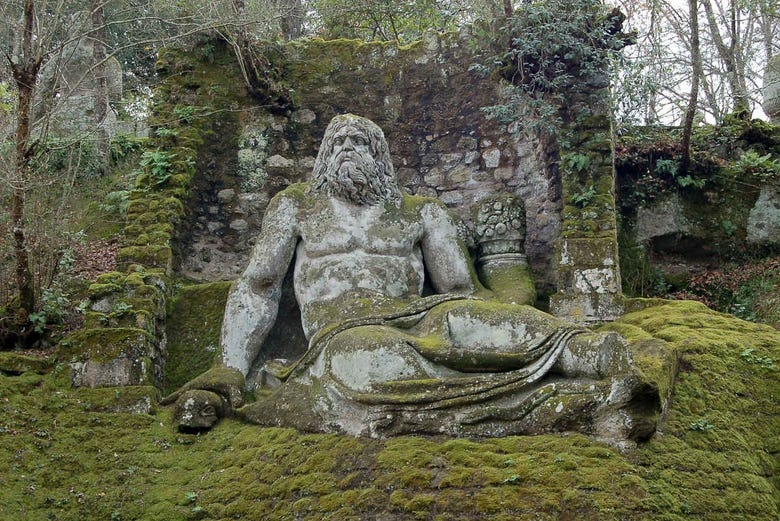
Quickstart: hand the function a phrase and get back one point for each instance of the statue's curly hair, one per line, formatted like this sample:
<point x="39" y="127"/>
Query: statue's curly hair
<point x="384" y="184"/>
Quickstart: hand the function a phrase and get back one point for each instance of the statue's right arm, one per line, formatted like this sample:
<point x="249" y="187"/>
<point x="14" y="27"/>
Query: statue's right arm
<point x="254" y="298"/>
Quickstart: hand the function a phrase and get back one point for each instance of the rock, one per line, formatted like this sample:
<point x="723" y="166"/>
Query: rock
<point x="467" y="143"/>
<point x="307" y="163"/>
<point x="304" y="116"/>
<point x="279" y="165"/>
<point x="665" y="217"/>
<point x="451" y="198"/>
<point x="771" y="89"/>
<point x="504" y="174"/>
<point x="492" y="158"/>
<point x="226" y="195"/>
<point x="763" y="225"/>
<point x="434" y="178"/>
<point x="239" y="225"/>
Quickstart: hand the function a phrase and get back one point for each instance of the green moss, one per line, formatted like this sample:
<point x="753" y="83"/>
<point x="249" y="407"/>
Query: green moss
<point x="16" y="363"/>
<point x="510" y="284"/>
<point x="104" y="345"/>
<point x="152" y="256"/>
<point x="193" y="328"/>
<point x="97" y="291"/>
<point x="118" y="399"/>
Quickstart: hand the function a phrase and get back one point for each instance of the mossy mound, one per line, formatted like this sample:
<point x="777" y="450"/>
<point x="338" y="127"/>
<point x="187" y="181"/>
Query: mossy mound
<point x="192" y="328"/>
<point x="716" y="456"/>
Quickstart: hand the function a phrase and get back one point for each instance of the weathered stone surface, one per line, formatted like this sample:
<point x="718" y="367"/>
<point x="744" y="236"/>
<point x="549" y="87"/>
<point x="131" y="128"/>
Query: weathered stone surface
<point x="492" y="158"/>
<point x="112" y="357"/>
<point x="763" y="225"/>
<point x="304" y="116"/>
<point x="197" y="410"/>
<point x="279" y="165"/>
<point x="430" y="107"/>
<point x="225" y="382"/>
<point x="665" y="217"/>
<point x="771" y="89"/>
<point x="225" y="196"/>
<point x="239" y="225"/>
<point x="588" y="269"/>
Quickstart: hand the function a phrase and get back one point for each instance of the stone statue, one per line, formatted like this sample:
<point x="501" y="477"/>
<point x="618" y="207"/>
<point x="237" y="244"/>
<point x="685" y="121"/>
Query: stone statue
<point x="383" y="359"/>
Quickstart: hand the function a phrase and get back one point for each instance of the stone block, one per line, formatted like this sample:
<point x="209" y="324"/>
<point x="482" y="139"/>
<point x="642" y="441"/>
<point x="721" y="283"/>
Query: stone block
<point x="588" y="253"/>
<point x="110" y="357"/>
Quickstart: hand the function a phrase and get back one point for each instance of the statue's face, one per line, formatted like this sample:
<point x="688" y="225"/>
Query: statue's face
<point x="354" y="164"/>
<point x="350" y="144"/>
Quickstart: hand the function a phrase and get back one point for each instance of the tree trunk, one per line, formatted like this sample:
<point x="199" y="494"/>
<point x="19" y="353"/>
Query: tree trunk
<point x="25" y="73"/>
<point x="101" y="88"/>
<point x="292" y="19"/>
<point x="693" y="101"/>
<point x="508" y="10"/>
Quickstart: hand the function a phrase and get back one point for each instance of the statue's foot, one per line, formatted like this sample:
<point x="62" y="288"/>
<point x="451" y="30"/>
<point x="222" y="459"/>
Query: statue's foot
<point x="631" y="412"/>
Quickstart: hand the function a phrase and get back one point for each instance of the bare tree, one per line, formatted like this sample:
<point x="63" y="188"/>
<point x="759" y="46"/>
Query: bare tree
<point x="690" y="112"/>
<point x="24" y="64"/>
<point x="736" y="39"/>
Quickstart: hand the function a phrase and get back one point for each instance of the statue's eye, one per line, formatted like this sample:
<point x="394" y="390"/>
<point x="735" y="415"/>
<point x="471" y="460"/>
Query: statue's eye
<point x="359" y="141"/>
<point x="339" y="140"/>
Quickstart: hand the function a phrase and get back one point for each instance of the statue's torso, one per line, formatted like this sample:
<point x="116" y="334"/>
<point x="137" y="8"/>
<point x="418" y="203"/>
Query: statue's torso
<point x="355" y="261"/>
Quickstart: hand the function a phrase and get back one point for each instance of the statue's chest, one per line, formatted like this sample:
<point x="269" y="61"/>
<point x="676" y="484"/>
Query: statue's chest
<point x="372" y="231"/>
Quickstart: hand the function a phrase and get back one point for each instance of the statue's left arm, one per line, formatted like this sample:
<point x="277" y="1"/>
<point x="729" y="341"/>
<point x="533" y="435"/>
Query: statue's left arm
<point x="444" y="254"/>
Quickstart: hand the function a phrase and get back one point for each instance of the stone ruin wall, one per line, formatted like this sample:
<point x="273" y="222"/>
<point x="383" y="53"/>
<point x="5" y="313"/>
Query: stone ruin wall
<point x="429" y="105"/>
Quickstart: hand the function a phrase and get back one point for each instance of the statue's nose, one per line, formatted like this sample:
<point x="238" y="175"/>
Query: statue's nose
<point x="348" y="144"/>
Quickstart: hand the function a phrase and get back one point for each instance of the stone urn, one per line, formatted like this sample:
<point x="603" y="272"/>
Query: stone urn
<point x="499" y="227"/>
<point x="771" y="90"/>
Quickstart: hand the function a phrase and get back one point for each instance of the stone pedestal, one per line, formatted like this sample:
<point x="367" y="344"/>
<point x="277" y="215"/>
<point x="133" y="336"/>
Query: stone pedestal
<point x="589" y="286"/>
<point x="589" y="276"/>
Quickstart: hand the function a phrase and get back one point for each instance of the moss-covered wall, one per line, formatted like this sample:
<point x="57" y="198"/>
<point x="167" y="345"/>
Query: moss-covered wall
<point x="195" y="117"/>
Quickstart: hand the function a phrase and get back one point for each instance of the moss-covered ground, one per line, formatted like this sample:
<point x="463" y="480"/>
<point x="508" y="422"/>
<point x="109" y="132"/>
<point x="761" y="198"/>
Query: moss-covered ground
<point x="716" y="456"/>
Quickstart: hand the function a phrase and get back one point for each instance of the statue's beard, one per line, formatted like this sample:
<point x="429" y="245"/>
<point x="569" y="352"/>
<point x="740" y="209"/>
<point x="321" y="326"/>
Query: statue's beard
<point x="357" y="178"/>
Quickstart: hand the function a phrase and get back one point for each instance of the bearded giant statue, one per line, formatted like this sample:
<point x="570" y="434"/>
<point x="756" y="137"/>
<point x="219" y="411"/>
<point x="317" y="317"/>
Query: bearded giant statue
<point x="385" y="358"/>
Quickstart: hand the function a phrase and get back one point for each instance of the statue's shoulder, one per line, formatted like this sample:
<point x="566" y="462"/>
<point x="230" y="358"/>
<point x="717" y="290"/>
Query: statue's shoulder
<point x="420" y="203"/>
<point x="297" y="192"/>
<point x="428" y="209"/>
<point x="295" y="197"/>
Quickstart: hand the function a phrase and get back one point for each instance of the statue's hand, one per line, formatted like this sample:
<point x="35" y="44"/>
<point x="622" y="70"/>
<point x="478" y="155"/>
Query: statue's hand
<point x="202" y="401"/>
